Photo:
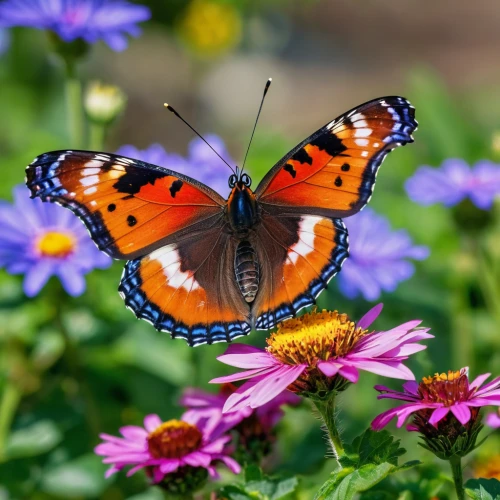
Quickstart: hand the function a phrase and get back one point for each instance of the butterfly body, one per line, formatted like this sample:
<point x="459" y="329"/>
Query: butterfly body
<point x="207" y="269"/>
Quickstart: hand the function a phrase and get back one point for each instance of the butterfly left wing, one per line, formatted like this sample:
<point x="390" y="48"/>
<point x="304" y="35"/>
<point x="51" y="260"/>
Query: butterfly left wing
<point x="299" y="254"/>
<point x="129" y="207"/>
<point x="332" y="173"/>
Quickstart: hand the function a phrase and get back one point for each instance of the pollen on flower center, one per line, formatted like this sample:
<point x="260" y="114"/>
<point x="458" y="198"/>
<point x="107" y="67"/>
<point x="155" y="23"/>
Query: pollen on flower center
<point x="56" y="244"/>
<point x="314" y="337"/>
<point x="447" y="388"/>
<point x="174" y="439"/>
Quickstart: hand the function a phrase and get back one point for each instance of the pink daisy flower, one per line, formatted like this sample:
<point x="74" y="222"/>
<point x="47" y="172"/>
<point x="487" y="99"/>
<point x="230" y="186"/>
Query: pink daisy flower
<point x="165" y="447"/>
<point x="319" y="352"/>
<point x="433" y="399"/>
<point x="207" y="406"/>
<point x="493" y="420"/>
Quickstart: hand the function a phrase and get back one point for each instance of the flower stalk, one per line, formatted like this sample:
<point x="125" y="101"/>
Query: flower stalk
<point x="456" y="470"/>
<point x="73" y="92"/>
<point x="11" y="396"/>
<point x="326" y="409"/>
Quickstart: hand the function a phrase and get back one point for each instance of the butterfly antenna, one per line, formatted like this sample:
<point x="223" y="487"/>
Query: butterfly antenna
<point x="170" y="108"/>
<point x="266" y="88"/>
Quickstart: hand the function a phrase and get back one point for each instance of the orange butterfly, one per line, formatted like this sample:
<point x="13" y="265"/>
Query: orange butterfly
<point x="207" y="269"/>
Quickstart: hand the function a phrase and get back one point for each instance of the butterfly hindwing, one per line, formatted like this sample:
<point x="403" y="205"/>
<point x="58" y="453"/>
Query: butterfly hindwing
<point x="130" y="207"/>
<point x="299" y="254"/>
<point x="332" y="173"/>
<point x="187" y="288"/>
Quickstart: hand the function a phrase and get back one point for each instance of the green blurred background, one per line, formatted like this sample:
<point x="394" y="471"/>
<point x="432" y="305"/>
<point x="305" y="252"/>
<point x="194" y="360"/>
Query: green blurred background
<point x="325" y="57"/>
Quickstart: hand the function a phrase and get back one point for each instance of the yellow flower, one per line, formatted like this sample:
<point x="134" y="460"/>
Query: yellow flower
<point x="211" y="27"/>
<point x="103" y="103"/>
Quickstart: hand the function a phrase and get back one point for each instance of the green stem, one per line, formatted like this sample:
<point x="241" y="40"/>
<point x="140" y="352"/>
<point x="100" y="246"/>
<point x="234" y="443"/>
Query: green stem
<point x="326" y="408"/>
<point x="456" y="470"/>
<point x="9" y="402"/>
<point x="97" y="136"/>
<point x="74" y="106"/>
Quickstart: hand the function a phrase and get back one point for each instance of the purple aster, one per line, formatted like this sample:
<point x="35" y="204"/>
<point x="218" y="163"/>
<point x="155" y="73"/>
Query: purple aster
<point x="41" y="240"/>
<point x="165" y="447"/>
<point x="319" y="351"/>
<point x="378" y="257"/>
<point x="90" y="20"/>
<point x="453" y="182"/>
<point x="201" y="163"/>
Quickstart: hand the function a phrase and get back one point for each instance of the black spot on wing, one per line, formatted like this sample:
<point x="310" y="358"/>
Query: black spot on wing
<point x="289" y="168"/>
<point x="330" y="143"/>
<point x="175" y="187"/>
<point x="302" y="157"/>
<point x="111" y="207"/>
<point x="131" y="220"/>
<point x="338" y="181"/>
<point x="134" y="178"/>
<point x="345" y="167"/>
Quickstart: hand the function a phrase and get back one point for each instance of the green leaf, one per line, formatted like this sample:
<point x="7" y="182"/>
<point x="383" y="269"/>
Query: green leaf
<point x="82" y="477"/>
<point x="260" y="487"/>
<point x="369" y="459"/>
<point x="483" y="489"/>
<point x="33" y="440"/>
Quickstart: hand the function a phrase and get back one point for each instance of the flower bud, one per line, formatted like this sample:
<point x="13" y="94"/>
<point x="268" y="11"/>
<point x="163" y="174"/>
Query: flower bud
<point x="103" y="103"/>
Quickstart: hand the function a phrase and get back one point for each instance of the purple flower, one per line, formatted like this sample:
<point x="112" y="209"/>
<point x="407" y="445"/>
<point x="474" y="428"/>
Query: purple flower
<point x="435" y="397"/>
<point x="312" y="352"/>
<point x="41" y="240"/>
<point x="91" y="20"/>
<point x="164" y="447"/>
<point x="201" y="163"/>
<point x="493" y="420"/>
<point x="454" y="181"/>
<point x="208" y="406"/>
<point x="378" y="257"/>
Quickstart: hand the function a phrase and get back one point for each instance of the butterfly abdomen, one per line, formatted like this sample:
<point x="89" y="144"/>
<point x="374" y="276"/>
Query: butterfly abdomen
<point x="246" y="267"/>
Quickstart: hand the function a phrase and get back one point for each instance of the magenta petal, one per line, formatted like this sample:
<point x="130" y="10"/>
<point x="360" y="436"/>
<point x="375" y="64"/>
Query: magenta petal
<point x="391" y="368"/>
<point x="260" y="360"/>
<point x="241" y="349"/>
<point x="383" y="419"/>
<point x="197" y="459"/>
<point x="134" y="433"/>
<point x="232" y="464"/>
<point x="169" y="465"/>
<point x="438" y="414"/>
<point x="152" y="422"/>
<point x="493" y="420"/>
<point x="479" y="381"/>
<point x="329" y="368"/>
<point x="461" y="412"/>
<point x="350" y="373"/>
<point x="370" y="316"/>
<point x="133" y="470"/>
<point x="112" y="470"/>
<point x="411" y="387"/>
<point x="242" y="375"/>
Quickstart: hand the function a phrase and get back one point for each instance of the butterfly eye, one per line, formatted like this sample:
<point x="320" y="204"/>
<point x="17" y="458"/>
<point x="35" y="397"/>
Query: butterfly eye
<point x="232" y="181"/>
<point x="246" y="180"/>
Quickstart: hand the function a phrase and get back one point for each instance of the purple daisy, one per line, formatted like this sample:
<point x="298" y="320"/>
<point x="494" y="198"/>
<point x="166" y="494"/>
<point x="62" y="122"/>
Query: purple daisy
<point x="201" y="163"/>
<point x="90" y="20"/>
<point x="378" y="257"/>
<point x="454" y="181"/>
<point x="41" y="240"/>
<point x="435" y="397"/>
<point x="165" y="447"/>
<point x="318" y="352"/>
<point x="206" y="405"/>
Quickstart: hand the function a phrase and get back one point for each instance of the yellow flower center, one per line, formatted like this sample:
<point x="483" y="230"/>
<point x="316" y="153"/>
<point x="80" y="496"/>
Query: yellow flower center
<point x="174" y="439"/>
<point x="313" y="337"/>
<point x="56" y="244"/>
<point x="447" y="388"/>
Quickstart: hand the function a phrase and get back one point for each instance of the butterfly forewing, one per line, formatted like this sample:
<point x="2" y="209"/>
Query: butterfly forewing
<point x="130" y="207"/>
<point x="333" y="172"/>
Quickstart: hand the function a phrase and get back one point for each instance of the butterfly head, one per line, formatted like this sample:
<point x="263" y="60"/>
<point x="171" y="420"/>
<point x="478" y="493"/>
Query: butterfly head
<point x="241" y="204"/>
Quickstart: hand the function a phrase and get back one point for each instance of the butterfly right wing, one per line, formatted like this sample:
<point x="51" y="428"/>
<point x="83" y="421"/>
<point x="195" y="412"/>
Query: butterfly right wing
<point x="188" y="288"/>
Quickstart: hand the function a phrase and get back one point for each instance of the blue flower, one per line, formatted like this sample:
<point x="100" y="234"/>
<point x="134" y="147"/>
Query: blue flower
<point x="91" y="20"/>
<point x="454" y="181"/>
<point x="41" y="240"/>
<point x="201" y="163"/>
<point x="377" y="256"/>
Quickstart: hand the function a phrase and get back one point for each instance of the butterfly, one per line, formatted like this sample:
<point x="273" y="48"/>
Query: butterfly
<point x="207" y="269"/>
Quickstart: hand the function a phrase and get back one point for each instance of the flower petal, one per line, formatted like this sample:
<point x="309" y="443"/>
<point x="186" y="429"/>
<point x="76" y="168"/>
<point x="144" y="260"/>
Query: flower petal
<point x="370" y="317"/>
<point x="152" y="422"/>
<point x="254" y="359"/>
<point x="438" y="414"/>
<point x="461" y="412"/>
<point x="242" y="375"/>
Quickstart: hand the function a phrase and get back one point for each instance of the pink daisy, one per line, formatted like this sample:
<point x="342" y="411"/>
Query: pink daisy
<point x="165" y="447"/>
<point x="319" y="352"/>
<point x="435" y="397"/>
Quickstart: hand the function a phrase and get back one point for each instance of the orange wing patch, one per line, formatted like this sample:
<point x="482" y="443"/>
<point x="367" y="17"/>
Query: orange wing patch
<point x="129" y="207"/>
<point x="333" y="172"/>
<point x="315" y="250"/>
